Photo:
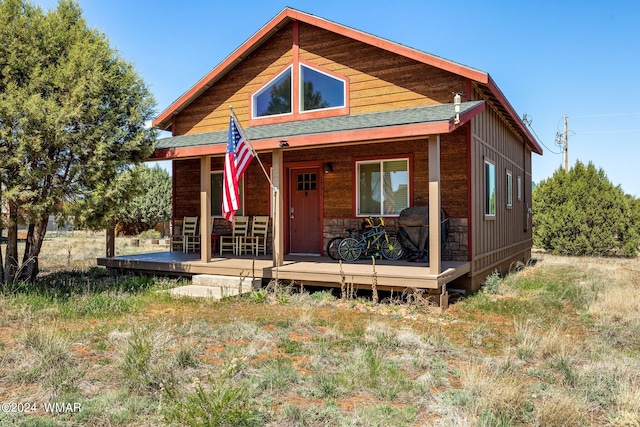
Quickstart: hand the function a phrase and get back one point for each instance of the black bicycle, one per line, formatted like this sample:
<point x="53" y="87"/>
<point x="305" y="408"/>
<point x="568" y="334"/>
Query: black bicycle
<point x="373" y="241"/>
<point x="332" y="245"/>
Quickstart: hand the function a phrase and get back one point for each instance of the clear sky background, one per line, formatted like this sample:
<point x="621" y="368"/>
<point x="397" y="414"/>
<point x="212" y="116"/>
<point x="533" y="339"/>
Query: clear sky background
<point x="549" y="58"/>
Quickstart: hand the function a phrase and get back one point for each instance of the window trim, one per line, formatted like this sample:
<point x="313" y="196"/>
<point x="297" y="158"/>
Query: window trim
<point x="254" y="95"/>
<point x="487" y="214"/>
<point x="241" y="187"/>
<point x="380" y="160"/>
<point x="509" y="189"/>
<point x="301" y="85"/>
<point x="519" y="188"/>
<point x="296" y="114"/>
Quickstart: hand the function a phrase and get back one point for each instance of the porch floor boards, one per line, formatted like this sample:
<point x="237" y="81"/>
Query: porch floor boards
<point x="308" y="270"/>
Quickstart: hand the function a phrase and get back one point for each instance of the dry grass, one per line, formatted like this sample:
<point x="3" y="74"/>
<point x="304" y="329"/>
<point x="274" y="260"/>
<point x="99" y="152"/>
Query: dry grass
<point x="80" y="249"/>
<point x="557" y="344"/>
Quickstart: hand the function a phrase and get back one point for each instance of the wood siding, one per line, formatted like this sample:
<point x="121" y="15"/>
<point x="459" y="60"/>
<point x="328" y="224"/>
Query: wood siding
<point x="379" y="80"/>
<point x="507" y="236"/>
<point x="186" y="188"/>
<point x="210" y="112"/>
<point x="338" y="185"/>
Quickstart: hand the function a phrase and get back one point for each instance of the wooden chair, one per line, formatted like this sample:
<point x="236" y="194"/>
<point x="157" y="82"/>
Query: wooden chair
<point x="177" y="239"/>
<point x="257" y="241"/>
<point x="232" y="242"/>
<point x="190" y="234"/>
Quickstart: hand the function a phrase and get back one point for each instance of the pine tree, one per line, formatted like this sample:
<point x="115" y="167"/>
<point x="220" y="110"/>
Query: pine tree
<point x="151" y="203"/>
<point x="72" y="115"/>
<point x="582" y="213"/>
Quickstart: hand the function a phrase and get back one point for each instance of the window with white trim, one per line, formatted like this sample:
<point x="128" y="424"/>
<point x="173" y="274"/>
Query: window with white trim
<point x="519" y="188"/>
<point x="275" y="97"/>
<point x="382" y="187"/>
<point x="217" y="180"/>
<point x="319" y="90"/>
<point x="509" y="189"/>
<point x="489" y="189"/>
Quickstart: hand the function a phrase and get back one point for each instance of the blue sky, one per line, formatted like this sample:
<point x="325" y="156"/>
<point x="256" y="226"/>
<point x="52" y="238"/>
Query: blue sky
<point x="550" y="58"/>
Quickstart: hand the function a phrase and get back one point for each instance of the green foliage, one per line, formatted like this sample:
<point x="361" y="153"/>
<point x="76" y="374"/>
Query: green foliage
<point x="152" y="200"/>
<point x="221" y="404"/>
<point x="150" y="234"/>
<point x="258" y="296"/>
<point x="72" y="117"/>
<point x="583" y="213"/>
<point x="142" y="365"/>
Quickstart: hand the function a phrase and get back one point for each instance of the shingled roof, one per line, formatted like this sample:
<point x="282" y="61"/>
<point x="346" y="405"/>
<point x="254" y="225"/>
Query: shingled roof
<point x="442" y="113"/>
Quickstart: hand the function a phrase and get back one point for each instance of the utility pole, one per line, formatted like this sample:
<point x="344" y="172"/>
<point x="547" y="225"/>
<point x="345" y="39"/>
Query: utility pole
<point x="566" y="143"/>
<point x="562" y="140"/>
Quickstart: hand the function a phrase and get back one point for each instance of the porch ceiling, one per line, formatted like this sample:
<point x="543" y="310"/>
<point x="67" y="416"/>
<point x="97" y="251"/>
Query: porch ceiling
<point x="432" y="115"/>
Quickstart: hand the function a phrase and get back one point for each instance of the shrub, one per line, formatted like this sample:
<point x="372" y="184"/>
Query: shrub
<point x="151" y="205"/>
<point x="142" y="363"/>
<point x="150" y="234"/>
<point x="582" y="213"/>
<point x="223" y="404"/>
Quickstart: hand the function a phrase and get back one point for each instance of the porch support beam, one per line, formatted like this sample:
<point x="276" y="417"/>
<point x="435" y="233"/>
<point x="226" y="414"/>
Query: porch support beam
<point x="435" y="265"/>
<point x="277" y="216"/>
<point x="205" y="209"/>
<point x="111" y="242"/>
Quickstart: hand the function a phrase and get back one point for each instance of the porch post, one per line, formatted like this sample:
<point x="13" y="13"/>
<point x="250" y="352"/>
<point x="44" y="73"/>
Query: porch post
<point x="205" y="208"/>
<point x="111" y="242"/>
<point x="435" y="266"/>
<point x="278" y="207"/>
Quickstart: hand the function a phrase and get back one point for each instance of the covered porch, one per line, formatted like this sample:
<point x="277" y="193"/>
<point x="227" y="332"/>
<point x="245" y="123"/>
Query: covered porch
<point x="307" y="270"/>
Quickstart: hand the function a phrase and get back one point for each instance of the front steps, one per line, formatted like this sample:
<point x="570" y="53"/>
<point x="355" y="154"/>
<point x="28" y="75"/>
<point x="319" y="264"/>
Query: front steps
<point x="217" y="286"/>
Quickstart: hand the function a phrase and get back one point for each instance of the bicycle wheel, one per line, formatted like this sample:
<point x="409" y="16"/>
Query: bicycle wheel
<point x="332" y="248"/>
<point x="392" y="249"/>
<point x="349" y="249"/>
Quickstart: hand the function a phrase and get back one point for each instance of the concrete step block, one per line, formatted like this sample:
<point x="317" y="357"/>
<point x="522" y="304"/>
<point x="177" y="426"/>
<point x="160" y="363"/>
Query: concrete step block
<point x="229" y="285"/>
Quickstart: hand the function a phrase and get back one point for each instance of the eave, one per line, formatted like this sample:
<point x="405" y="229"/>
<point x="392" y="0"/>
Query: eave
<point x="374" y="127"/>
<point x="164" y="120"/>
<point x="480" y="79"/>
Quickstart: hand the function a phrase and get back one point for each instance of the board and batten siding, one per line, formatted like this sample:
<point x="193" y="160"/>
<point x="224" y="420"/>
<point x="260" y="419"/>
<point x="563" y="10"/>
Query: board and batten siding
<point x="505" y="238"/>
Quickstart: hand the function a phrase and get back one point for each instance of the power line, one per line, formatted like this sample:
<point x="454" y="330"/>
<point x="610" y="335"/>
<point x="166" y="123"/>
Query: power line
<point x="608" y="131"/>
<point x="527" y="120"/>
<point x="590" y="116"/>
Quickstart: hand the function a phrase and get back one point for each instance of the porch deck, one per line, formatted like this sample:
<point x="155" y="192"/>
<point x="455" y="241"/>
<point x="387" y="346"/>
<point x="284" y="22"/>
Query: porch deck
<point x="308" y="270"/>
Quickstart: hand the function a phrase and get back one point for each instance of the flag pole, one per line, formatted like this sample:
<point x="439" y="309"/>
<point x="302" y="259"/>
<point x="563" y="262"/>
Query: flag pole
<point x="273" y="187"/>
<point x="255" y="154"/>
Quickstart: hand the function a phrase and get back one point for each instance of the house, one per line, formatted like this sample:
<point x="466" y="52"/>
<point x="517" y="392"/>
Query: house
<point x="351" y="125"/>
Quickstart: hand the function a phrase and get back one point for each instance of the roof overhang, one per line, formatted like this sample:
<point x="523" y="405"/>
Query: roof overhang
<point x="481" y="79"/>
<point x="164" y="120"/>
<point x="363" y="128"/>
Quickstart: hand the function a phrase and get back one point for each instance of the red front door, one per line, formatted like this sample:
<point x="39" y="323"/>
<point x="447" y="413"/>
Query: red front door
<point x="304" y="211"/>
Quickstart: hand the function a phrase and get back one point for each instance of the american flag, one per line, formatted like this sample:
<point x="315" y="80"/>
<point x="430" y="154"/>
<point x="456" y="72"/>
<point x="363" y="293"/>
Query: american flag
<point x="238" y="157"/>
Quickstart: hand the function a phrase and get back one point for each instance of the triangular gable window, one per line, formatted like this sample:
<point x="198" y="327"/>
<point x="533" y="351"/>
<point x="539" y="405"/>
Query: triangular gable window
<point x="275" y="97"/>
<point x="315" y="91"/>
<point x="320" y="90"/>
